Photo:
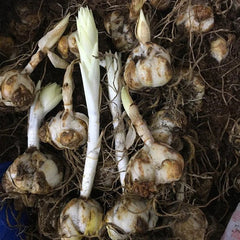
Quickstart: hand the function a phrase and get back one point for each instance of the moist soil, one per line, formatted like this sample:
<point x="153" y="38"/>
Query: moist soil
<point x="210" y="139"/>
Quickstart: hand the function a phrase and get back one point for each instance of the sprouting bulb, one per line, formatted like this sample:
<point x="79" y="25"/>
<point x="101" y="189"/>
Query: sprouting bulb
<point x="68" y="129"/>
<point x="149" y="64"/>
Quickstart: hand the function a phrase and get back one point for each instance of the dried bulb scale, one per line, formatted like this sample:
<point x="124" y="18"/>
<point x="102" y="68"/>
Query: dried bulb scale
<point x="160" y="5"/>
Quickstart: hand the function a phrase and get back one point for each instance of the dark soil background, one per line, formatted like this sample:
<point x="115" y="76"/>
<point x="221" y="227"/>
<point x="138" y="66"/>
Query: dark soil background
<point x="212" y="175"/>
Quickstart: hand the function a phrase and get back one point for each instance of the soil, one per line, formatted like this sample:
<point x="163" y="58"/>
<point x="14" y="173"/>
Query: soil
<point x="210" y="139"/>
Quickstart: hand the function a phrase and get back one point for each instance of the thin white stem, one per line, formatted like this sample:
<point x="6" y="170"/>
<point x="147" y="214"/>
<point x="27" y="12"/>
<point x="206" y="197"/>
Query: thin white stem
<point x="45" y="100"/>
<point x="87" y="43"/>
<point x="113" y="65"/>
<point x="34" y="121"/>
<point x="67" y="89"/>
<point x="93" y="149"/>
<point x="136" y="118"/>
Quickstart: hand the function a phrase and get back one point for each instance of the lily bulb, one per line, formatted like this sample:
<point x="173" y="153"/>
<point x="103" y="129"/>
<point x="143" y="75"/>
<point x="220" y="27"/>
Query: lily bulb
<point x="197" y="18"/>
<point x="68" y="129"/>
<point x="193" y="89"/>
<point x="33" y="172"/>
<point x="155" y="163"/>
<point x="219" y="49"/>
<point x="80" y="218"/>
<point x="17" y="90"/>
<point x="149" y="65"/>
<point x="166" y="124"/>
<point x="152" y="166"/>
<point x="120" y="30"/>
<point x="130" y="215"/>
<point x="188" y="222"/>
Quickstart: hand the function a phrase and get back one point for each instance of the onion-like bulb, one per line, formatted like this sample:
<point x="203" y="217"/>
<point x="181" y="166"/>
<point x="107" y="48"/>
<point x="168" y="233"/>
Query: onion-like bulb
<point x="80" y="218"/>
<point x="166" y="124"/>
<point x="68" y="129"/>
<point x="193" y="89"/>
<point x="149" y="64"/>
<point x="17" y="90"/>
<point x="121" y="31"/>
<point x="197" y="18"/>
<point x="219" y="49"/>
<point x="152" y="166"/>
<point x="65" y="130"/>
<point x="188" y="222"/>
<point x="33" y="172"/>
<point x="130" y="215"/>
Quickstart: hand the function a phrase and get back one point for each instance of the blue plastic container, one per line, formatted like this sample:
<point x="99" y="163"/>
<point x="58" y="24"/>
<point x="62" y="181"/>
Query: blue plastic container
<point x="10" y="232"/>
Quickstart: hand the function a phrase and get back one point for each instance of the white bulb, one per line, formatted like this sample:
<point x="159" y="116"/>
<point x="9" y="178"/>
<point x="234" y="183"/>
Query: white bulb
<point x="149" y="65"/>
<point x="130" y="215"/>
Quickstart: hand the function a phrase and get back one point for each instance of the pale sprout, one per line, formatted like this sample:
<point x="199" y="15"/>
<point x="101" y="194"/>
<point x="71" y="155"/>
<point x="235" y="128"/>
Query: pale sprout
<point x="17" y="90"/>
<point x="219" y="49"/>
<point x="197" y="18"/>
<point x="166" y="124"/>
<point x="80" y="218"/>
<point x="130" y="215"/>
<point x="149" y="64"/>
<point x="33" y="172"/>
